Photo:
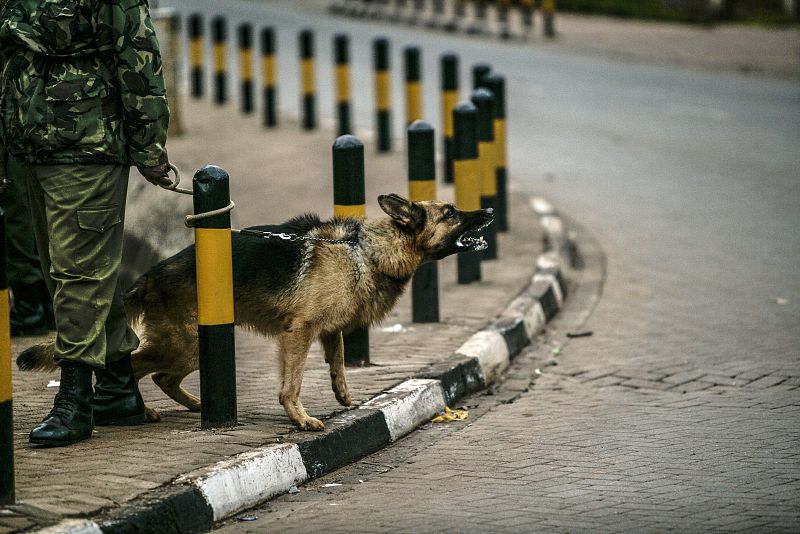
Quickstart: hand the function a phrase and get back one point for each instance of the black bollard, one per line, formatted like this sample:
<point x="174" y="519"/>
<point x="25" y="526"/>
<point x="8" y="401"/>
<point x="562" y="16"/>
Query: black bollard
<point x="422" y="186"/>
<point x="307" y="80"/>
<point x="383" y="94"/>
<point x="496" y="83"/>
<point x="245" y="32"/>
<point x="7" y="495"/>
<point x="349" y="200"/>
<point x="468" y="186"/>
<point x="413" y="82"/>
<point x="484" y="102"/>
<point x="196" y="54"/>
<point x="449" y="75"/>
<point x="211" y="191"/>
<point x="268" y="68"/>
<point x="219" y="33"/>
<point x="341" y="58"/>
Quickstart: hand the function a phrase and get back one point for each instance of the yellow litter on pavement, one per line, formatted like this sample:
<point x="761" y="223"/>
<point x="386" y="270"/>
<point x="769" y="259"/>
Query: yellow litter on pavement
<point x="450" y="415"/>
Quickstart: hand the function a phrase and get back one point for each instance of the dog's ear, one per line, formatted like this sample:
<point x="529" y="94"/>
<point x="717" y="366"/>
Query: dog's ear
<point x="403" y="211"/>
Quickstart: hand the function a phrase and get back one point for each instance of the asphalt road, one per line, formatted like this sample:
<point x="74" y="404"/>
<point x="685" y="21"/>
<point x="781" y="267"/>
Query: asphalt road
<point x="688" y="179"/>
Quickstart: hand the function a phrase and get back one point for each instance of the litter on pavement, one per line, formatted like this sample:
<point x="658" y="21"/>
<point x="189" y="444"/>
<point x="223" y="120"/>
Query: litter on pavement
<point x="450" y="415"/>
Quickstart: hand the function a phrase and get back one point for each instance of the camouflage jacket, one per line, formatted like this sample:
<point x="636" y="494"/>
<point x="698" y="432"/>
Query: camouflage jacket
<point x="81" y="82"/>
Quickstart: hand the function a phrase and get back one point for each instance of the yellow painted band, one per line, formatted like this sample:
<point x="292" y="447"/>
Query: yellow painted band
<point x="5" y="348"/>
<point x="196" y="52"/>
<point x="356" y="210"/>
<point x="307" y="76"/>
<point x="449" y="101"/>
<point x="268" y="66"/>
<point x="501" y="150"/>
<point x="468" y="187"/>
<point x="219" y="58"/>
<point x="382" y="90"/>
<point x="487" y="159"/>
<point x="413" y="101"/>
<point x="422" y="190"/>
<point x="343" y="82"/>
<point x="214" y="276"/>
<point x="246" y="60"/>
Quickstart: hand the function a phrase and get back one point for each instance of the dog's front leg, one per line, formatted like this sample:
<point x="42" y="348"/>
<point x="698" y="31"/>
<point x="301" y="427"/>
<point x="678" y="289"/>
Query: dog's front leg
<point x="334" y="356"/>
<point x="294" y="343"/>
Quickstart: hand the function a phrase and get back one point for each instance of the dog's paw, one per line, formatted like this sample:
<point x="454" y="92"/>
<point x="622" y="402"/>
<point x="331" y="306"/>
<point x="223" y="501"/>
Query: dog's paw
<point x="344" y="399"/>
<point x="151" y="416"/>
<point x="311" y="423"/>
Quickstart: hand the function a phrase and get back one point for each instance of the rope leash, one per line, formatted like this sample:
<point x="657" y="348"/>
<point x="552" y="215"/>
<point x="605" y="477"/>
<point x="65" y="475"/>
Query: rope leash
<point x="189" y="220"/>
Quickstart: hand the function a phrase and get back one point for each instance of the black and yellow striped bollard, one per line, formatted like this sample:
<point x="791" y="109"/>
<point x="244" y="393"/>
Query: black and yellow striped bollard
<point x="449" y="74"/>
<point x="196" y="54"/>
<point x="527" y="8"/>
<point x="483" y="99"/>
<point x="467" y="180"/>
<point x="549" y="17"/>
<point x="219" y="34"/>
<point x="496" y="83"/>
<point x="211" y="191"/>
<point x="422" y="186"/>
<point x="383" y="94"/>
<point x="269" y="77"/>
<point x="341" y="59"/>
<point x="502" y="18"/>
<point x="413" y="68"/>
<point x="308" y="84"/>
<point x="6" y="405"/>
<point x="349" y="200"/>
<point x="245" y="32"/>
<point x="479" y="73"/>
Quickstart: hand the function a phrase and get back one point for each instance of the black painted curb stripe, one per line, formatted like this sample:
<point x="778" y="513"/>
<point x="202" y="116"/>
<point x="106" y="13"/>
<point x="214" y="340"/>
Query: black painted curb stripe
<point x="167" y="509"/>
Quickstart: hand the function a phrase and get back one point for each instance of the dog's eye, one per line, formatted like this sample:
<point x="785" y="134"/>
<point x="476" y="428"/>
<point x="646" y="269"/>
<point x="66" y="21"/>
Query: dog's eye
<point x="449" y="213"/>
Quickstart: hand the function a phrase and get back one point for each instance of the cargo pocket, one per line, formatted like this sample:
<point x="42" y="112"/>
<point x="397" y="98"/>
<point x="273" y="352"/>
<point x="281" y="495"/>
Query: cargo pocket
<point x="98" y="219"/>
<point x="76" y="108"/>
<point x="93" y="249"/>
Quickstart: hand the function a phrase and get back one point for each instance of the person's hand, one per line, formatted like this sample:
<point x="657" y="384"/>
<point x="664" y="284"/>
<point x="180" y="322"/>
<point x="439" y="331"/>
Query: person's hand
<point x="158" y="174"/>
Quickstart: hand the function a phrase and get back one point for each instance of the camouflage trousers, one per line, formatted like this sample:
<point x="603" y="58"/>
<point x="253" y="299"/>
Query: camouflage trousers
<point x="23" y="262"/>
<point x="78" y="212"/>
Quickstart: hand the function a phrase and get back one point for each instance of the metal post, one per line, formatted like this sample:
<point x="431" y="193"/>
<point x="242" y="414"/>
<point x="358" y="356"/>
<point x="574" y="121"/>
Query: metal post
<point x="526" y="6"/>
<point x="268" y="67"/>
<point x="349" y="200"/>
<point x="479" y="73"/>
<point x="215" y="299"/>
<point x="484" y="102"/>
<point x="467" y="180"/>
<point x="548" y="17"/>
<point x="383" y="93"/>
<point x="196" y="54"/>
<point x="496" y="83"/>
<point x="449" y="66"/>
<point x="219" y="31"/>
<point x="341" y="58"/>
<point x="6" y="397"/>
<point x="307" y="81"/>
<point x="246" y="65"/>
<point x="502" y="18"/>
<point x="413" y="68"/>
<point x="422" y="186"/>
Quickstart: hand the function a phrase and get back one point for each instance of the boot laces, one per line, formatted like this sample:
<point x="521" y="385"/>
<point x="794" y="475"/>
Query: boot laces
<point x="63" y="403"/>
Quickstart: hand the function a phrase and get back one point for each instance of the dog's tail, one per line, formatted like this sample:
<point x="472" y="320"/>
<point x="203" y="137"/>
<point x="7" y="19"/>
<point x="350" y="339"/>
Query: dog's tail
<point x="135" y="299"/>
<point x="38" y="357"/>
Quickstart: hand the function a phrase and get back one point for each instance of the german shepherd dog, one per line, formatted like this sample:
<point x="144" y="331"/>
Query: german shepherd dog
<point x="297" y="291"/>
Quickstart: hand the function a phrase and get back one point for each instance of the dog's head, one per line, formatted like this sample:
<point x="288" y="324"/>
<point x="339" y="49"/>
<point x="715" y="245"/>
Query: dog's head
<point x="439" y="229"/>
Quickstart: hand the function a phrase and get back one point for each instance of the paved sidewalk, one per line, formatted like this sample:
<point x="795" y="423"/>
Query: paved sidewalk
<point x="275" y="174"/>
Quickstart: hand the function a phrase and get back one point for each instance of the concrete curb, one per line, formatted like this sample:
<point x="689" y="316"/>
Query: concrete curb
<point x="196" y="500"/>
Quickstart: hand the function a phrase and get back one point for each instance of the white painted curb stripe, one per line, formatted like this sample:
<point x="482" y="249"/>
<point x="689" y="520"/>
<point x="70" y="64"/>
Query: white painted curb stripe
<point x="534" y="320"/>
<point x="553" y="281"/>
<point x="248" y="479"/>
<point x="491" y="350"/>
<point x="408" y="405"/>
<point x="72" y="526"/>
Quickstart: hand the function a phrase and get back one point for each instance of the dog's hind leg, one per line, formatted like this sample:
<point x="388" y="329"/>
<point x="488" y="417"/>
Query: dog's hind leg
<point x="334" y="357"/>
<point x="293" y="345"/>
<point x="171" y="385"/>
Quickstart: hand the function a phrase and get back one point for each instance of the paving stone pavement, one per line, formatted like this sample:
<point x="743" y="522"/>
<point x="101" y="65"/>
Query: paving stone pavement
<point x="119" y="463"/>
<point x="585" y="445"/>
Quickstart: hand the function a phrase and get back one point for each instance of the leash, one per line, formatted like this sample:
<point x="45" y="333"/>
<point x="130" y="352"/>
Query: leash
<point x="191" y="219"/>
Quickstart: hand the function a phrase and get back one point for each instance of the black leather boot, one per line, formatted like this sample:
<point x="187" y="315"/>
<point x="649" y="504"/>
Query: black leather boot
<point x="70" y="420"/>
<point x="117" y="400"/>
<point x="27" y="312"/>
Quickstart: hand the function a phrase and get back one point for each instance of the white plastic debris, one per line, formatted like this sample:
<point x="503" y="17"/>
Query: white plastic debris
<point x="54" y="383"/>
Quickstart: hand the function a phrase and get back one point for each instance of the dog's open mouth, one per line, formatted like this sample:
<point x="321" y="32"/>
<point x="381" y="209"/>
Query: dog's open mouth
<point x="471" y="243"/>
<point x="471" y="240"/>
